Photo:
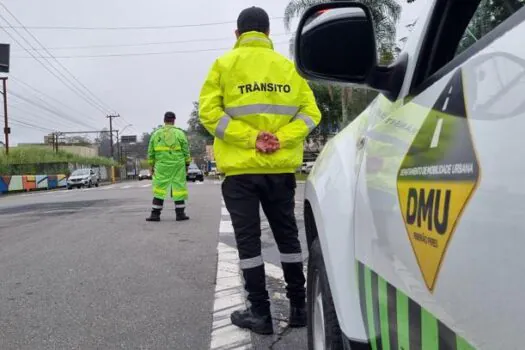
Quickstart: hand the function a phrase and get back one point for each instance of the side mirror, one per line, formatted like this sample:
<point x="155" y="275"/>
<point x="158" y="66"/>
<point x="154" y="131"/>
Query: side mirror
<point x="335" y="42"/>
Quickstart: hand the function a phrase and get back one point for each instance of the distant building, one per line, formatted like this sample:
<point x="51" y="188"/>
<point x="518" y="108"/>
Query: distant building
<point x="209" y="153"/>
<point x="49" y="139"/>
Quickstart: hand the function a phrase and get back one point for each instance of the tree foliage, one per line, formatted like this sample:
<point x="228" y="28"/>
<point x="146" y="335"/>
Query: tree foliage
<point x="385" y="14"/>
<point x="195" y="126"/>
<point x="198" y="136"/>
<point x="490" y="13"/>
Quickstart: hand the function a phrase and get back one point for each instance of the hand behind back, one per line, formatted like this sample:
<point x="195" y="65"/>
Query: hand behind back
<point x="267" y="142"/>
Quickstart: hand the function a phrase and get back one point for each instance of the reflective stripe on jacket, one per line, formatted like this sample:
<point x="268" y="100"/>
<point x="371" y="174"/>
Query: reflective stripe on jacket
<point x="168" y="144"/>
<point x="252" y="89"/>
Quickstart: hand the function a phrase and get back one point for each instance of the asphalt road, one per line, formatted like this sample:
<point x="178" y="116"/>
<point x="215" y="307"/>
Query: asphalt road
<point x="82" y="269"/>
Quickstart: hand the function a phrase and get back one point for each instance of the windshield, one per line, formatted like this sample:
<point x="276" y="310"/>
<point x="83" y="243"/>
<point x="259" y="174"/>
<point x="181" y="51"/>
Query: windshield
<point x="144" y="172"/>
<point x="80" y="172"/>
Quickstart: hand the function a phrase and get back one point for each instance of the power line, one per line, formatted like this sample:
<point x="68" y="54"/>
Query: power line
<point x="95" y="98"/>
<point x="49" y="110"/>
<point x="134" y="27"/>
<point x="145" y="53"/>
<point x="30" y="125"/>
<point x="40" y="117"/>
<point x="62" y="80"/>
<point x="19" y="81"/>
<point x="41" y="106"/>
<point x="144" y="44"/>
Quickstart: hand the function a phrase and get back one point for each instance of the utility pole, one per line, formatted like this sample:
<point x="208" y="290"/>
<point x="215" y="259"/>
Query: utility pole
<point x="118" y="147"/>
<point x="110" y="117"/>
<point x="7" y="131"/>
<point x="55" y="138"/>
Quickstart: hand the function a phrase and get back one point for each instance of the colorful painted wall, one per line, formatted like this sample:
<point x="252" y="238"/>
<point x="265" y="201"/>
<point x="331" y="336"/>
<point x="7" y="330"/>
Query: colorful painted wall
<point x="31" y="182"/>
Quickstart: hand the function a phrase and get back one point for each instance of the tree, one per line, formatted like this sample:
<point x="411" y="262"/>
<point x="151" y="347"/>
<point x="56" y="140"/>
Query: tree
<point x="488" y="15"/>
<point x="327" y="99"/>
<point x="77" y="140"/>
<point x="195" y="126"/>
<point x="198" y="136"/>
<point x="104" y="143"/>
<point x="385" y="15"/>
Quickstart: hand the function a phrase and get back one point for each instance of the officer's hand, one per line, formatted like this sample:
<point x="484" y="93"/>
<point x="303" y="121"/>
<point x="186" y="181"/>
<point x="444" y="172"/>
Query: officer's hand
<point x="267" y="142"/>
<point x="261" y="142"/>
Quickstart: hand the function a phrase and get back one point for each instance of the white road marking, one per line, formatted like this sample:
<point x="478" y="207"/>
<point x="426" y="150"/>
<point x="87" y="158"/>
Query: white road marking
<point x="126" y="187"/>
<point x="226" y="227"/>
<point x="228" y="297"/>
<point x="273" y="271"/>
<point x="229" y="294"/>
<point x="437" y="133"/>
<point x="148" y="185"/>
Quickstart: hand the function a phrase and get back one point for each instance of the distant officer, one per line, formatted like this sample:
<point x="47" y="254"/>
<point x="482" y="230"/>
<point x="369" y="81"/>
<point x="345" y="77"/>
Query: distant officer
<point x="169" y="157"/>
<point x="260" y="112"/>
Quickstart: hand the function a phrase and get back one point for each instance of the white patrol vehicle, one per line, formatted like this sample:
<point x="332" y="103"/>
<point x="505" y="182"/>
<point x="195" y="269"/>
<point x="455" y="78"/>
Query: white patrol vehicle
<point x="415" y="213"/>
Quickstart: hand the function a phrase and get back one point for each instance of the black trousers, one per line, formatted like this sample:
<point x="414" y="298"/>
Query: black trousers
<point x="243" y="195"/>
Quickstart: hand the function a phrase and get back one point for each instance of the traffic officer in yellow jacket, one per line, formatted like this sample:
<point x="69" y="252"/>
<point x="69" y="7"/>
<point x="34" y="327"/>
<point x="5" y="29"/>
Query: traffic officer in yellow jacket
<point x="260" y="112"/>
<point x="169" y="157"/>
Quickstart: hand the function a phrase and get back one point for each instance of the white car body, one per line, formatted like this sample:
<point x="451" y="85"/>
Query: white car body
<point x="87" y="178"/>
<point x="359" y="202"/>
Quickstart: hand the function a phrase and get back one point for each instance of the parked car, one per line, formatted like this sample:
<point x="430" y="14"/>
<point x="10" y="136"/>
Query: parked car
<point x="83" y="178"/>
<point x="145" y="174"/>
<point x="194" y="173"/>
<point x="307" y="167"/>
<point x="414" y="212"/>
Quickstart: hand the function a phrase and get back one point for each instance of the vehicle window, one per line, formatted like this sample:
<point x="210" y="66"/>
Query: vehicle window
<point x="489" y="14"/>
<point x="80" y="172"/>
<point x="454" y="27"/>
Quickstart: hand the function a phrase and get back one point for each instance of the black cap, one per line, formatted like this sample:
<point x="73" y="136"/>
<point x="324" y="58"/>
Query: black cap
<point x="169" y="116"/>
<point x="253" y="19"/>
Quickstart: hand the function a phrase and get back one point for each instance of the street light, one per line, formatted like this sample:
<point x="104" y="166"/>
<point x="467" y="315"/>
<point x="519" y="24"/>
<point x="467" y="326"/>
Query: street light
<point x="127" y="126"/>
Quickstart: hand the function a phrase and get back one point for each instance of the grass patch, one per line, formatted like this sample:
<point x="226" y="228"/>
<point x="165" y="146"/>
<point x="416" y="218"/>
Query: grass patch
<point x="29" y="158"/>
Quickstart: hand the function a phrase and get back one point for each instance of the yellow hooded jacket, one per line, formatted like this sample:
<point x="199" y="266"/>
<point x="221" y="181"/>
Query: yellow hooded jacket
<point x="252" y="89"/>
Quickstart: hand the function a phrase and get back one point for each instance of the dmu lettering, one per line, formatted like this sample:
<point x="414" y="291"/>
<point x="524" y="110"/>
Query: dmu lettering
<point x="425" y="207"/>
<point x="266" y="87"/>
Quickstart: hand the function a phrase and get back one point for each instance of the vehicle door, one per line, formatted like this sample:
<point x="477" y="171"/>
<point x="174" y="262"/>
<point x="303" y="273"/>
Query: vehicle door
<point x="441" y="195"/>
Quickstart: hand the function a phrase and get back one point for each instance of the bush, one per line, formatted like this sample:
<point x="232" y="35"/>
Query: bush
<point x="36" y="161"/>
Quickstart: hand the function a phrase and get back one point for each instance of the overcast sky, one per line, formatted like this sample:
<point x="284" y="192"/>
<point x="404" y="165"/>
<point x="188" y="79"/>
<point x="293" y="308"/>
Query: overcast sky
<point x="141" y="87"/>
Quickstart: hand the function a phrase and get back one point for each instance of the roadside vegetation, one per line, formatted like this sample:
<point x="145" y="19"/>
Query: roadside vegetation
<point x="37" y="161"/>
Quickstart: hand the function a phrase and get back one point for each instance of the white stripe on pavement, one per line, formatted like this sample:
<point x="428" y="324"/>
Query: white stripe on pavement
<point x="148" y="185"/>
<point x="226" y="227"/>
<point x="228" y="297"/>
<point x="229" y="292"/>
<point x="126" y="187"/>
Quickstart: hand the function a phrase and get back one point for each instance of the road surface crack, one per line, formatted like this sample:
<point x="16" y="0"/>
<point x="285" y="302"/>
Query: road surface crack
<point x="280" y="337"/>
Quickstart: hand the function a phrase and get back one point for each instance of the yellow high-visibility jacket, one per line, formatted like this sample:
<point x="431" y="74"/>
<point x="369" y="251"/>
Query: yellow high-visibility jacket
<point x="252" y="89"/>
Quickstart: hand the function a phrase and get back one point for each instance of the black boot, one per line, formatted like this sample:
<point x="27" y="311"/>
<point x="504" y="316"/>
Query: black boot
<point x="260" y="324"/>
<point x="181" y="215"/>
<point x="155" y="215"/>
<point x="298" y="316"/>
